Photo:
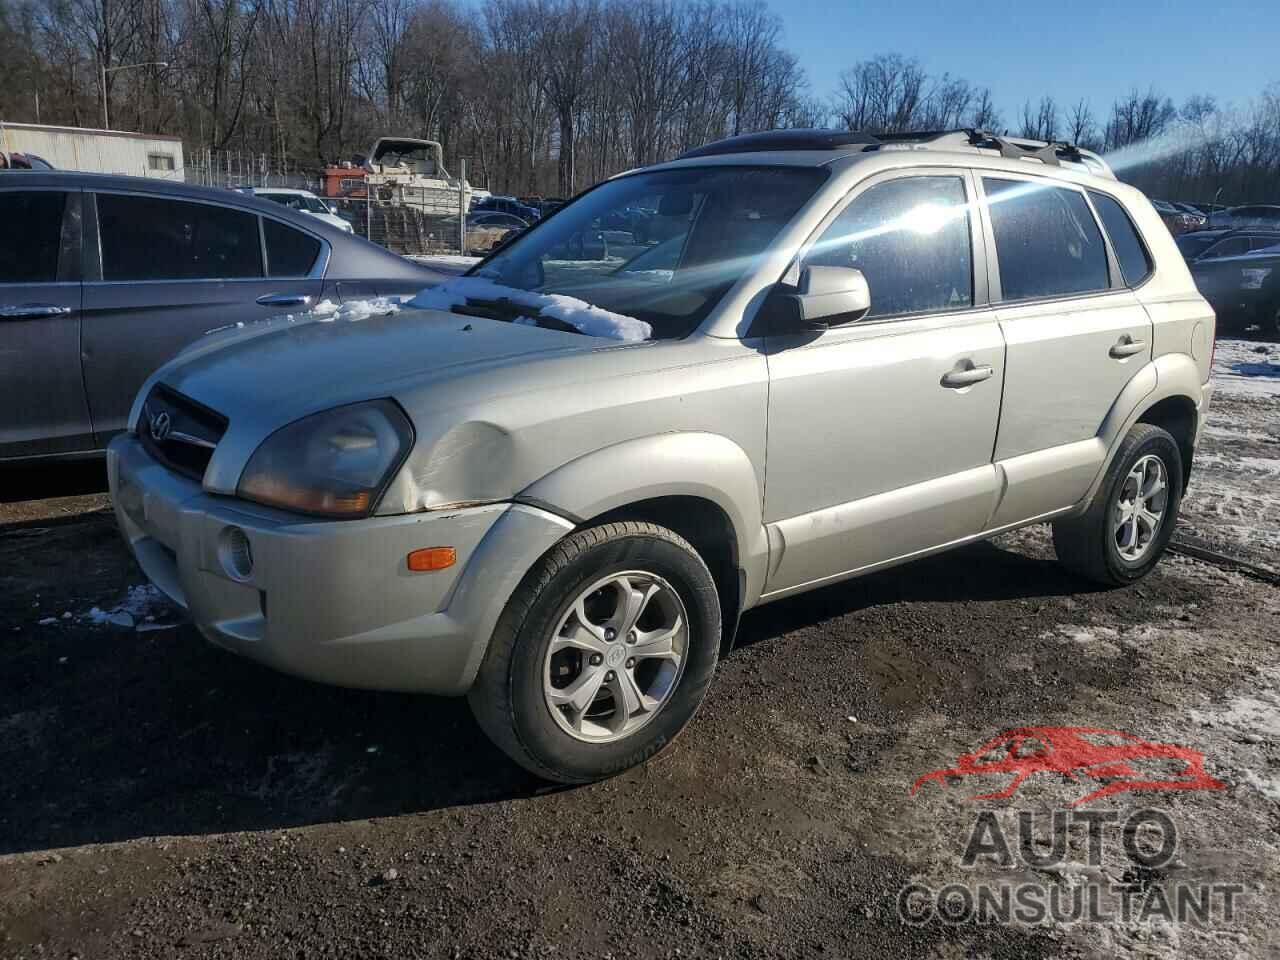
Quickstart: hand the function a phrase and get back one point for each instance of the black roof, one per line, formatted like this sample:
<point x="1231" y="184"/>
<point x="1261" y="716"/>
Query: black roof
<point x="783" y="140"/>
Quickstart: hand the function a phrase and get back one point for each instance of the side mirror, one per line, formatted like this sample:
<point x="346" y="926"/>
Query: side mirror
<point x="824" y="297"/>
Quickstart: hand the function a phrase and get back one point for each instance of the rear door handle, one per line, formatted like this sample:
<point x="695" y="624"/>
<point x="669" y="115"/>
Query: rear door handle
<point x="284" y="300"/>
<point x="967" y="377"/>
<point x="32" y="311"/>
<point x="1127" y="347"/>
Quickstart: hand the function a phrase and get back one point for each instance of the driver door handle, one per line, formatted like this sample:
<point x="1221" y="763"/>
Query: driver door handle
<point x="1127" y="347"/>
<point x="284" y="300"/>
<point x="955" y="379"/>
<point x="32" y="311"/>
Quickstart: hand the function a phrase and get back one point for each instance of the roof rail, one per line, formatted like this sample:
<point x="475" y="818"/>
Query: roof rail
<point x="1049" y="152"/>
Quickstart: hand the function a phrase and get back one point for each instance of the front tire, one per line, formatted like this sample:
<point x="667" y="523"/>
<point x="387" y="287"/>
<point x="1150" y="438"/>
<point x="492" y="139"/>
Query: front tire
<point x="602" y="655"/>
<point x="1130" y="520"/>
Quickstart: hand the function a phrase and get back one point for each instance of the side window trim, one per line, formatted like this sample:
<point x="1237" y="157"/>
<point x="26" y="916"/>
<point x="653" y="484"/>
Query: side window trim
<point x="1114" y="274"/>
<point x="997" y="292"/>
<point x="92" y="245"/>
<point x="977" y="242"/>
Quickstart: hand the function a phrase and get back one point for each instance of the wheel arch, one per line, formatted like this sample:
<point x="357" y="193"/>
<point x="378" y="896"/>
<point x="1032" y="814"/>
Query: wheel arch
<point x="703" y="486"/>
<point x="1166" y="393"/>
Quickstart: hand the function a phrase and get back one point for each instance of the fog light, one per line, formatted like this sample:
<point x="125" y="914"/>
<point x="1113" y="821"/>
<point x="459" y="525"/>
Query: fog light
<point x="234" y="553"/>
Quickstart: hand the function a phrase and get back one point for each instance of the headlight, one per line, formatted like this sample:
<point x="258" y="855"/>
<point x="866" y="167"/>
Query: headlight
<point x="1252" y="279"/>
<point x="336" y="463"/>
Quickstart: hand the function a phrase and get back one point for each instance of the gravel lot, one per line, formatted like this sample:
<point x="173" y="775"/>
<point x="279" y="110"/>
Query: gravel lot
<point x="162" y="799"/>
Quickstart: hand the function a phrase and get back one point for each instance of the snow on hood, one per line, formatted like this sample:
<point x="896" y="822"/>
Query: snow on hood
<point x="582" y="316"/>
<point x="327" y="311"/>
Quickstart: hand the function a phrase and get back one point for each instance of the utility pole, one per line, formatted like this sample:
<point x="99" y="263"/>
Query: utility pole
<point x="103" y="70"/>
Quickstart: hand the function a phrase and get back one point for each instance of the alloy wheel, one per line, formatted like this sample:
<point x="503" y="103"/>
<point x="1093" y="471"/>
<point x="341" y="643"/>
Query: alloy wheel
<point x="616" y="656"/>
<point x="1141" y="507"/>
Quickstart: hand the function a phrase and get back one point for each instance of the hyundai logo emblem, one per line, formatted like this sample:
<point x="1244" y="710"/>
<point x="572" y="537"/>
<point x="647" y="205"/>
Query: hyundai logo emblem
<point x="160" y="427"/>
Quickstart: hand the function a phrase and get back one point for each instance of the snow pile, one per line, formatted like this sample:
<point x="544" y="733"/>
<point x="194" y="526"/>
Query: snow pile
<point x="138" y="610"/>
<point x="327" y="311"/>
<point x="579" y="314"/>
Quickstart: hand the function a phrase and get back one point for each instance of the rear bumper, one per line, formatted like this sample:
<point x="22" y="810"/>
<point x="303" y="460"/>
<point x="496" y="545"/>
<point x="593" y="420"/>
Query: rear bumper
<point x="332" y="601"/>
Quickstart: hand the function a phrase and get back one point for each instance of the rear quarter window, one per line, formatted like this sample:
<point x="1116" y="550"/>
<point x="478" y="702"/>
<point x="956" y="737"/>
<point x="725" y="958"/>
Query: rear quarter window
<point x="1135" y="261"/>
<point x="290" y="252"/>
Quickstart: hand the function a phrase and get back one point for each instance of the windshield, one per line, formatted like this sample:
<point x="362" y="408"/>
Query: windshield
<point x="297" y="201"/>
<point x="661" y="247"/>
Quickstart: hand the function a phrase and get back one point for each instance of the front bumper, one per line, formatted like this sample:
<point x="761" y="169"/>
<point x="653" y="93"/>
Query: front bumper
<point x="332" y="601"/>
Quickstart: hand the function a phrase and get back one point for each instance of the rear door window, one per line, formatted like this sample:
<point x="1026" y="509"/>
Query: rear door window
<point x="1135" y="262"/>
<point x="32" y="235"/>
<point x="153" y="238"/>
<point x="910" y="238"/>
<point x="1047" y="242"/>
<point x="290" y="252"/>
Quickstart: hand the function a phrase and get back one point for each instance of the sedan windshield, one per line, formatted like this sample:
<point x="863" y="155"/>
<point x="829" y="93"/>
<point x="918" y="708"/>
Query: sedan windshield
<point x="661" y="248"/>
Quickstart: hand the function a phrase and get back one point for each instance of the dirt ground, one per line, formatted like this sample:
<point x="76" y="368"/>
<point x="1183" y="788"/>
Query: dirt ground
<point x="159" y="798"/>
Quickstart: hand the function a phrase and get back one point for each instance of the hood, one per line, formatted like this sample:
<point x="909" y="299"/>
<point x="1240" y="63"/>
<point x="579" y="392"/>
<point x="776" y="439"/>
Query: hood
<point x="266" y="375"/>
<point x="301" y="367"/>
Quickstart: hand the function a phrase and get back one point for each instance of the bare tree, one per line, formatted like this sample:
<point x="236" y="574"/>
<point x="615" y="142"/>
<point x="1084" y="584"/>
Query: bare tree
<point x="1040" y="122"/>
<point x="1082" y="129"/>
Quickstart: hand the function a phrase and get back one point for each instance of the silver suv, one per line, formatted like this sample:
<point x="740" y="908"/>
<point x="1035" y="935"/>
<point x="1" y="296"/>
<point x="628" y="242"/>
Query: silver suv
<point x="780" y="361"/>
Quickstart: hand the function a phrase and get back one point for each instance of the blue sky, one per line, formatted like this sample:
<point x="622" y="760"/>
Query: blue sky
<point x="1229" y="48"/>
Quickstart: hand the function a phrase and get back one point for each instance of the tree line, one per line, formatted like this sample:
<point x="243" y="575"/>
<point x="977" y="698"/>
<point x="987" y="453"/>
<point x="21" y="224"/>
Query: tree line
<point x="545" y="96"/>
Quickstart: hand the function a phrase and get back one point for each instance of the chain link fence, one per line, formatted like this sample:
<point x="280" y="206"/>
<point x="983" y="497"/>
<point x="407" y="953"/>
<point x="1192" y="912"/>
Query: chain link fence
<point x="408" y="220"/>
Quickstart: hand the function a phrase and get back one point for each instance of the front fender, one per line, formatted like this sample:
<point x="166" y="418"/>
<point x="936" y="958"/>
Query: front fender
<point x="704" y="465"/>
<point x="1172" y="375"/>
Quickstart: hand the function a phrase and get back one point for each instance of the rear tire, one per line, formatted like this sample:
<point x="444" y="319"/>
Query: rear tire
<point x="1114" y="542"/>
<point x="560" y="632"/>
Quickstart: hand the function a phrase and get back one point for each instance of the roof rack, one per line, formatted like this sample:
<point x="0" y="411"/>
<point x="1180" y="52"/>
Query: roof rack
<point x="1049" y="152"/>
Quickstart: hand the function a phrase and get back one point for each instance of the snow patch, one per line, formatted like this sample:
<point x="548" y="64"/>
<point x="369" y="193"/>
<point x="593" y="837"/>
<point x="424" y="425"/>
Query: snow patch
<point x="1244" y="368"/>
<point x="139" y="608"/>
<point x="326" y="311"/>
<point x="1252" y="717"/>
<point x="582" y="316"/>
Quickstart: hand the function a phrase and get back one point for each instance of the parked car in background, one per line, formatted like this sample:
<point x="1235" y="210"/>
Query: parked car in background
<point x="304" y="201"/>
<point x="1243" y="288"/>
<point x="1176" y="219"/>
<point x="104" y="278"/>
<point x="1251" y="215"/>
<point x="1198" y="219"/>
<point x="509" y="205"/>
<point x="487" y="229"/>
<point x="1210" y="244"/>
<point x="555" y="489"/>
<point x="23" y="161"/>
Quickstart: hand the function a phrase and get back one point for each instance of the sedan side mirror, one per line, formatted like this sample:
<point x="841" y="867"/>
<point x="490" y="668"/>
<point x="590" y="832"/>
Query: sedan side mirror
<point x="824" y="297"/>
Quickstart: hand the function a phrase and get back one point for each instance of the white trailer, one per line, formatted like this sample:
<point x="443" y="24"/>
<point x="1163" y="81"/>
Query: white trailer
<point x="97" y="151"/>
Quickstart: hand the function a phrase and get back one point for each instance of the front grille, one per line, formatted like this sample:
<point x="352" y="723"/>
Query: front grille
<point x="179" y="432"/>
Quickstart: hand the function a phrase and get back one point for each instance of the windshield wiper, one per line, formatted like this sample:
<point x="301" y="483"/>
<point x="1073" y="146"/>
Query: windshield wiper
<point x="509" y="311"/>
